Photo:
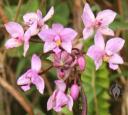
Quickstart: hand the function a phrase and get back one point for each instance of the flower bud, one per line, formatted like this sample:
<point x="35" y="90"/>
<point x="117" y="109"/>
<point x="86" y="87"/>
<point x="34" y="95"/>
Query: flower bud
<point x="81" y="62"/>
<point x="60" y="73"/>
<point x="74" y="91"/>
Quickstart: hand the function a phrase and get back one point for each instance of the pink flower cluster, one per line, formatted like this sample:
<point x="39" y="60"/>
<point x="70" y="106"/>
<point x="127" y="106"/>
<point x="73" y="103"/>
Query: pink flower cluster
<point x="99" y="52"/>
<point x="68" y="60"/>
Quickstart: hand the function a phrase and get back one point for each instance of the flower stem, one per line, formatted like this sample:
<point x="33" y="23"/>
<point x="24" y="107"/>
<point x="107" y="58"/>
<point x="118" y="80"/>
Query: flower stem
<point x="122" y="79"/>
<point x="44" y="71"/>
<point x="84" y="100"/>
<point x="18" y="9"/>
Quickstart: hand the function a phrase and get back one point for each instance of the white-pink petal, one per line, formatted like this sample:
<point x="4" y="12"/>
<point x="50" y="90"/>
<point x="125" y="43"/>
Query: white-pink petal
<point x="26" y="47"/>
<point x="116" y="59"/>
<point x="57" y="28"/>
<point x="27" y="36"/>
<point x="57" y="50"/>
<point x="67" y="46"/>
<point x="106" y="31"/>
<point x="49" y="14"/>
<point x="96" y="54"/>
<point x="113" y="66"/>
<point x="114" y="45"/>
<point x="60" y="85"/>
<point x="68" y="34"/>
<point x="29" y="18"/>
<point x="87" y="32"/>
<point x="61" y="100"/>
<point x="70" y="102"/>
<point x="12" y="43"/>
<point x="35" y="63"/>
<point x="25" y="87"/>
<point x="48" y="46"/>
<point x="23" y="79"/>
<point x="99" y="40"/>
<point x="47" y="35"/>
<point x="39" y="83"/>
<point x="106" y="17"/>
<point x="33" y="29"/>
<point x="14" y="29"/>
<point x="39" y="14"/>
<point x="88" y="16"/>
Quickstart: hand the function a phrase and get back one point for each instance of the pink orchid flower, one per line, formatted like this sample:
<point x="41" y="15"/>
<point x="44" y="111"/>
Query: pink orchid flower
<point x="32" y="76"/>
<point x="100" y="23"/>
<point x="18" y="37"/>
<point x="58" y="37"/>
<point x="36" y="21"/>
<point x="109" y="53"/>
<point x="59" y="99"/>
<point x="63" y="59"/>
<point x="63" y="62"/>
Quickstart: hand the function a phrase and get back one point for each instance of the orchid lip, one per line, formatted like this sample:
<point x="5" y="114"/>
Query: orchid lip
<point x="106" y="58"/>
<point x="58" y="42"/>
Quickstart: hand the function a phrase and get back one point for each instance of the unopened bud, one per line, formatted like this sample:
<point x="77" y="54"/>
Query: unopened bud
<point x="81" y="62"/>
<point x="74" y="91"/>
<point x="60" y="73"/>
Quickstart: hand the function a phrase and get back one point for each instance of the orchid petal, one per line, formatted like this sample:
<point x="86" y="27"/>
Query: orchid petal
<point x="106" y="17"/>
<point x="47" y="35"/>
<point x="51" y="101"/>
<point x="68" y="34"/>
<point x="33" y="29"/>
<point x="48" y="46"/>
<point x="61" y="100"/>
<point x="35" y="63"/>
<point x="57" y="28"/>
<point x="88" y="16"/>
<point x="27" y="36"/>
<point x="96" y="54"/>
<point x="23" y="79"/>
<point x="49" y="14"/>
<point x="12" y="43"/>
<point x="114" y="45"/>
<point x="26" y="47"/>
<point x="14" y="29"/>
<point x="70" y="102"/>
<point x="60" y="85"/>
<point x="106" y="31"/>
<point x="30" y="17"/>
<point x="57" y="50"/>
<point x="87" y="32"/>
<point x="39" y="83"/>
<point x="67" y="46"/>
<point x="39" y="14"/>
<point x="113" y="66"/>
<point x="25" y="87"/>
<point x="116" y="59"/>
<point x="99" y="41"/>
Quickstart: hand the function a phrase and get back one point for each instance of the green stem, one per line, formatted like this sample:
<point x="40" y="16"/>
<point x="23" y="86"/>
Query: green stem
<point x="122" y="79"/>
<point x="18" y="9"/>
<point x="84" y="100"/>
<point x="44" y="71"/>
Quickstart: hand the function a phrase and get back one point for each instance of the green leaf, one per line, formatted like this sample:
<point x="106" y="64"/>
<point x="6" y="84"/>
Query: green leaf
<point x="30" y="6"/>
<point x="119" y="25"/>
<point x="61" y="13"/>
<point x="97" y="81"/>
